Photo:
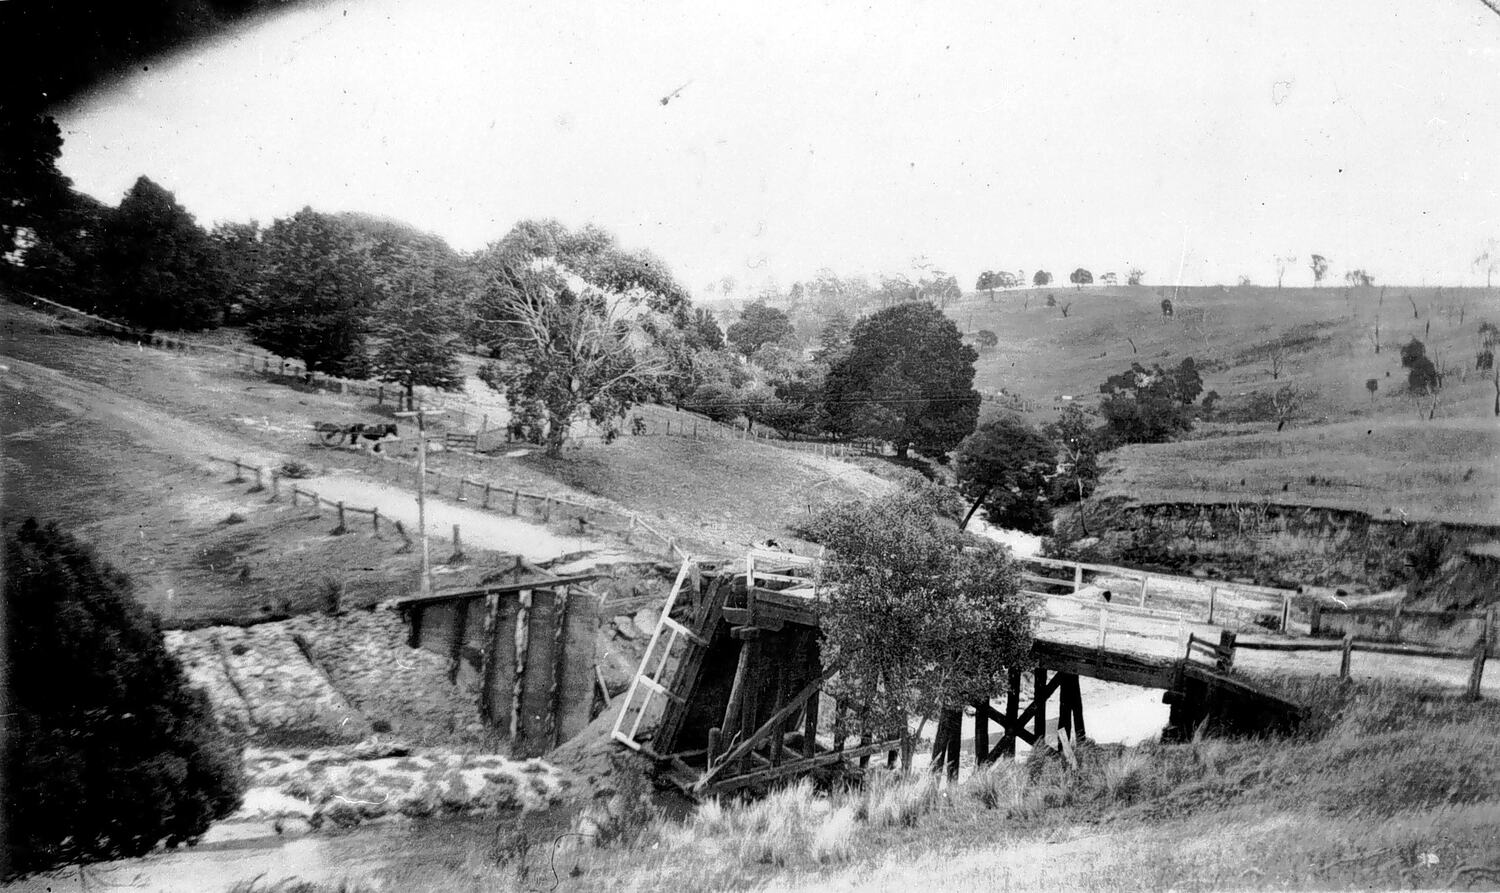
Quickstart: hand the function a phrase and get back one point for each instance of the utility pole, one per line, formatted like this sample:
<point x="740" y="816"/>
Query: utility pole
<point x="425" y="583"/>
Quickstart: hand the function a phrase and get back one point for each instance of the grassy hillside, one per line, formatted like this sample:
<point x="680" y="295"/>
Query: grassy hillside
<point x="1380" y="451"/>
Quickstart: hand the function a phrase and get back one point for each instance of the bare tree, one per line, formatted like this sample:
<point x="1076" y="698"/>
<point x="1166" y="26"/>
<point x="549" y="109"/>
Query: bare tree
<point x="1278" y="362"/>
<point x="1283" y="263"/>
<point x="1064" y="308"/>
<point x="1488" y="260"/>
<point x="1287" y="401"/>
<point x="1413" y="302"/>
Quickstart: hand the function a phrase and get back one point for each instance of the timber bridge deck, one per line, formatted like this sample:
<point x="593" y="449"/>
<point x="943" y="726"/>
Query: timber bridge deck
<point x="729" y="690"/>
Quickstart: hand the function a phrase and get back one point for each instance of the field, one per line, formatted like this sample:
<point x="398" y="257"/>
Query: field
<point x="1378" y="453"/>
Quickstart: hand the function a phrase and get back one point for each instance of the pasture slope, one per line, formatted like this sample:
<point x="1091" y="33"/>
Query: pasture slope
<point x="1388" y="465"/>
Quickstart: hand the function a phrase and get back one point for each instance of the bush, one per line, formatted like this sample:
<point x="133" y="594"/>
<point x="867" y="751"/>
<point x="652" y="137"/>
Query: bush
<point x="108" y="751"/>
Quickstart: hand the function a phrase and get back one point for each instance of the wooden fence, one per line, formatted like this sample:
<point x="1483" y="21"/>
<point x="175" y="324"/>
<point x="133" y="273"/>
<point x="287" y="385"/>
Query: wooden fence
<point x="1190" y="598"/>
<point x="1349" y="644"/>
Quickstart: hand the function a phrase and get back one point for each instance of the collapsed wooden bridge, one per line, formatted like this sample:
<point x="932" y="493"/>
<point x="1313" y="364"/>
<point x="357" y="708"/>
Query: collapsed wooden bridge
<point x="729" y="693"/>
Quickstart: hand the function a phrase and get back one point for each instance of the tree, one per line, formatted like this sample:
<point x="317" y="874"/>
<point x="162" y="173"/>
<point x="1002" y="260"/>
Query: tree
<point x="1422" y="375"/>
<point x="1135" y="276"/>
<point x="1109" y="279"/>
<point x="704" y="332"/>
<point x="717" y="401"/>
<point x="1277" y="358"/>
<point x="1283" y="263"/>
<point x="1372" y="385"/>
<point x="33" y="193"/>
<point x="1319" y="268"/>
<point x="1488" y="260"/>
<point x="239" y="249"/>
<point x="317" y="289"/>
<point x="1079" y="441"/>
<point x="833" y="341"/>
<point x="570" y="347"/>
<point x="418" y="322"/>
<point x="1005" y="466"/>
<point x="908" y="379"/>
<point x="986" y="339"/>
<point x="920" y="619"/>
<point x="1150" y="406"/>
<point x="1081" y="277"/>
<point x="1287" y="401"/>
<point x="986" y="282"/>
<point x="1358" y="278"/>
<point x="158" y="267"/>
<point x="759" y="324"/>
<point x="1041" y="279"/>
<point x="107" y="750"/>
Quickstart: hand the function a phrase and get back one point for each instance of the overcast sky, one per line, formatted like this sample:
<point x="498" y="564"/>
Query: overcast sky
<point x="1187" y="138"/>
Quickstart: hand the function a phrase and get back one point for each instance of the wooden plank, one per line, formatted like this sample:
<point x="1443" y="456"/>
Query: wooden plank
<point x="1109" y="666"/>
<point x="778" y="717"/>
<point x="796" y="767"/>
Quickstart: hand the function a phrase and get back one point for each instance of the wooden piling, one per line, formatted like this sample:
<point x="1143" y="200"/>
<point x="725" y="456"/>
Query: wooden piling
<point x="981" y="732"/>
<point x="375" y="519"/>
<point x="1012" y="712"/>
<point x="487" y="488"/>
<point x="1039" y="706"/>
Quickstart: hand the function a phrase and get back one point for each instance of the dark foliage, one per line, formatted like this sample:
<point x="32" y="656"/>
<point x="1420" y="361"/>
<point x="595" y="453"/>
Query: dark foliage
<point x="1421" y="374"/>
<point x="908" y="379"/>
<point x="317" y="291"/>
<point x="107" y="750"/>
<point x="1005" y="466"/>
<point x="759" y="324"/>
<point x="1081" y="277"/>
<point x="919" y="616"/>
<point x="1079" y="442"/>
<point x="157" y="268"/>
<point x="1150" y="406"/>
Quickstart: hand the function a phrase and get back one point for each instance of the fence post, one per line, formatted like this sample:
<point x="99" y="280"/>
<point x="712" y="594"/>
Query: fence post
<point x="460" y="488"/>
<point x="630" y="531"/>
<point x="375" y="518"/>
<point x="484" y="424"/>
<point x="1315" y="619"/>
<point x="1145" y="581"/>
<point x="486" y="503"/>
<point x="1213" y="597"/>
<point x="238" y="478"/>
<point x="1344" y="658"/>
<point x="458" y="546"/>
<point x="1476" y="675"/>
<point x="275" y="486"/>
<point x="1224" y="659"/>
<point x="294" y="495"/>
<point x="515" y="501"/>
<point x="1286" y="613"/>
<point x="341" y="528"/>
<point x="546" y="509"/>
<point x="1103" y="626"/>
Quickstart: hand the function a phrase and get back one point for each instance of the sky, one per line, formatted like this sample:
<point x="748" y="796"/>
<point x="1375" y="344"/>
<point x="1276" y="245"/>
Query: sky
<point x="1196" y="141"/>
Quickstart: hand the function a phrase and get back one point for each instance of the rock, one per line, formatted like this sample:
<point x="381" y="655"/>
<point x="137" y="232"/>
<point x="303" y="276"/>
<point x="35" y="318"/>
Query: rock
<point x="645" y="620"/>
<point x="625" y="626"/>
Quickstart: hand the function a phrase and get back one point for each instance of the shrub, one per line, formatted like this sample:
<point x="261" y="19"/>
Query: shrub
<point x="108" y="750"/>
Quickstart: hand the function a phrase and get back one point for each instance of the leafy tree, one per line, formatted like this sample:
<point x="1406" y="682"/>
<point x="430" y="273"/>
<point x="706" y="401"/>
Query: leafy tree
<point x="1081" y="277"/>
<point x="1041" y="279"/>
<point x="759" y="324"/>
<point x="1135" y="276"/>
<point x="159" y="268"/>
<point x="1422" y="375"/>
<point x="986" y="338"/>
<point x="1079" y="441"/>
<point x="1359" y="278"/>
<point x="570" y="346"/>
<point x="1109" y="279"/>
<point x="239" y="249"/>
<point x="908" y="379"/>
<point x="1005" y="466"/>
<point x="986" y="283"/>
<point x="417" y="323"/>
<point x="920" y="618"/>
<point x="107" y="751"/>
<point x="318" y="287"/>
<point x="34" y="194"/>
<point x="833" y="341"/>
<point x="798" y="407"/>
<point x="1150" y="406"/>
<point x="1319" y="268"/>
<point x="704" y="332"/>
